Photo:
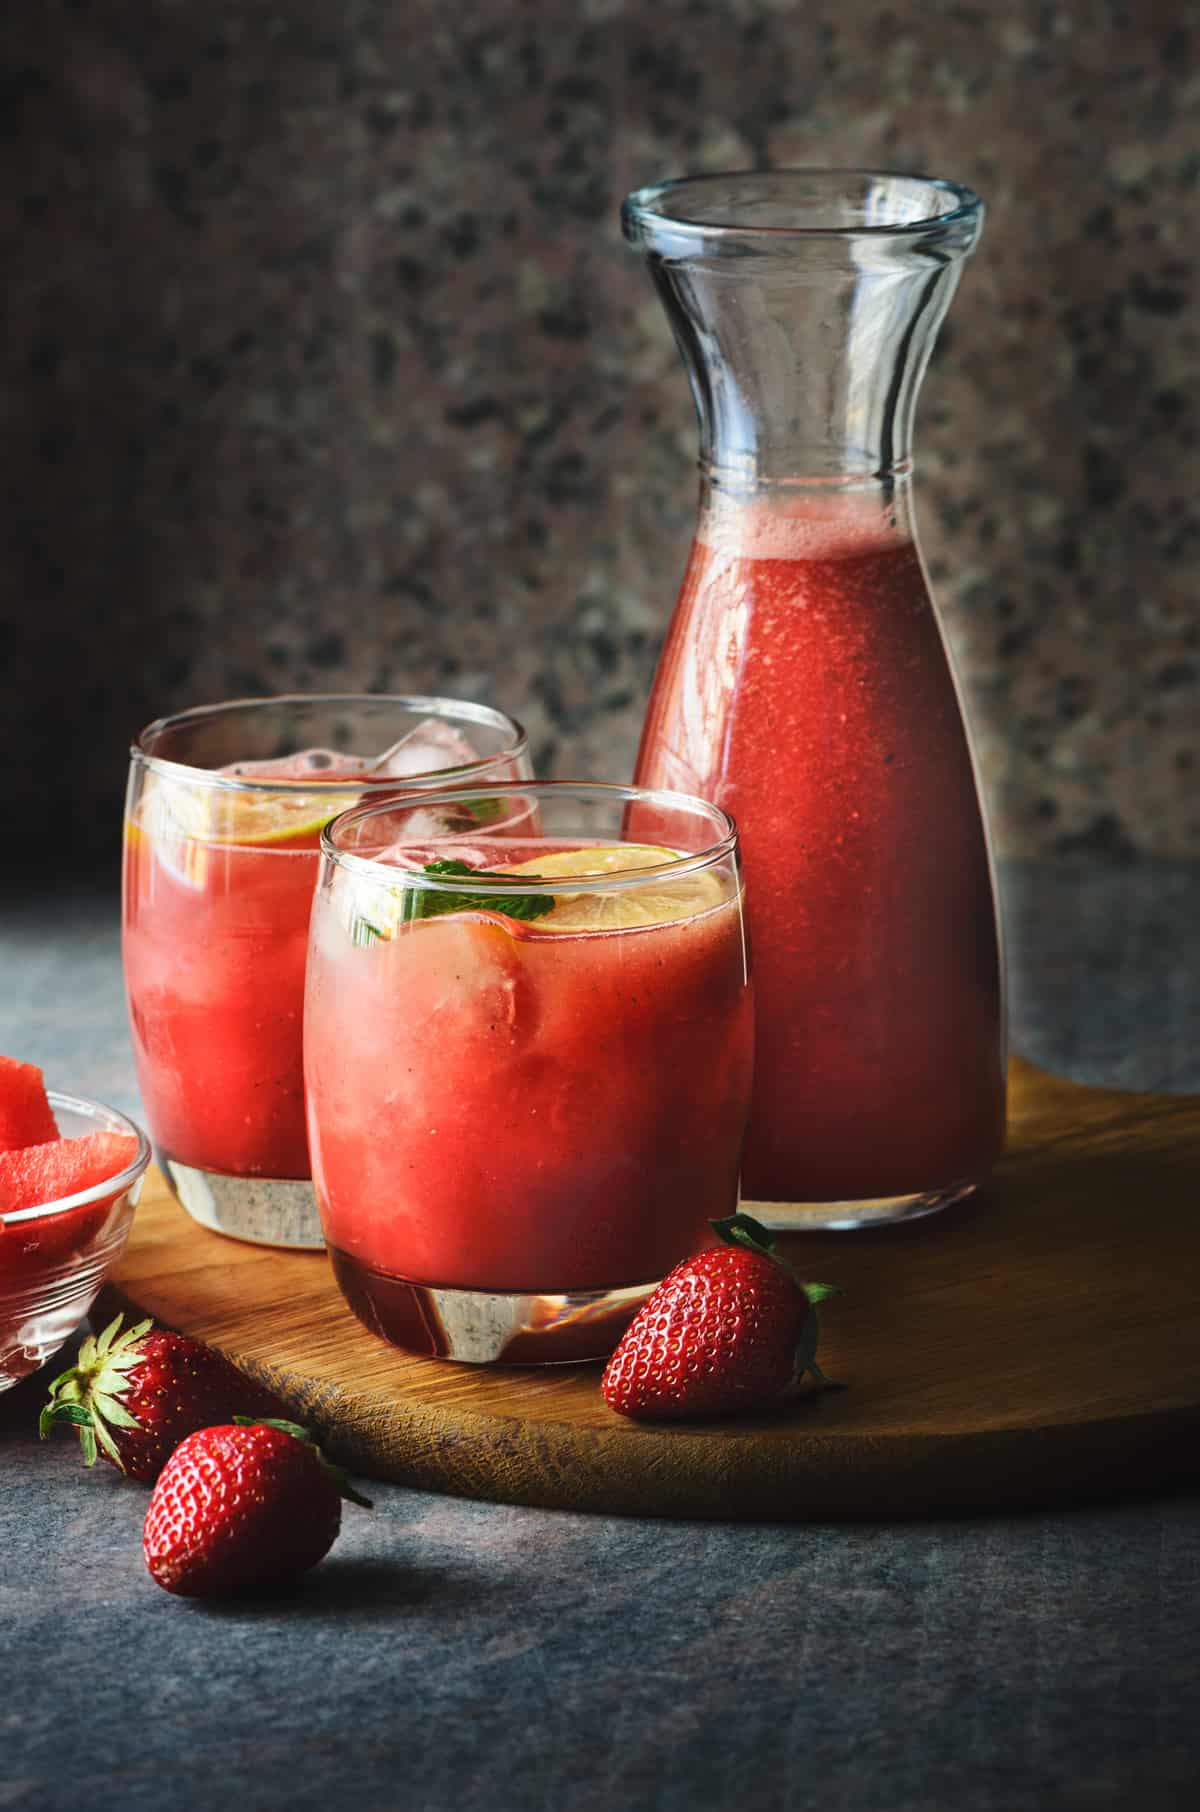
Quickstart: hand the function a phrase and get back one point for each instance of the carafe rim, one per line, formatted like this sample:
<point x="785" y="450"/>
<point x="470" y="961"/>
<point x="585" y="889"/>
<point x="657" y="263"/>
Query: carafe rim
<point x="657" y="208"/>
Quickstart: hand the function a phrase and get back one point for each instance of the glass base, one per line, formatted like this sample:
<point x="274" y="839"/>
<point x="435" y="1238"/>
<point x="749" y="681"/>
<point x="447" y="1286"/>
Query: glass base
<point x="482" y="1327"/>
<point x="267" y="1211"/>
<point x="846" y="1217"/>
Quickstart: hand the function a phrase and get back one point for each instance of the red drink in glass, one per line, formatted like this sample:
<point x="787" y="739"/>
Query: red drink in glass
<point x="221" y="856"/>
<point x="529" y="1110"/>
<point x="215" y="942"/>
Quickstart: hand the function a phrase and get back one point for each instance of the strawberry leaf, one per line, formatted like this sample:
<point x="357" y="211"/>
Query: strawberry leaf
<point x="62" y="1378"/>
<point x="109" y="1409"/>
<point x="744" y="1230"/>
<point x="98" y="1431"/>
<point x="806" y="1356"/>
<point x="73" y="1413"/>
<point x="293" y="1428"/>
<point x="87" y="1395"/>
<point x="108" y="1336"/>
<point x="821" y="1381"/>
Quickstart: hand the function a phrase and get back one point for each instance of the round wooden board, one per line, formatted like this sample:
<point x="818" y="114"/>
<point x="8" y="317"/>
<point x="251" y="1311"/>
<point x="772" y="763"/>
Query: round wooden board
<point x="1040" y="1342"/>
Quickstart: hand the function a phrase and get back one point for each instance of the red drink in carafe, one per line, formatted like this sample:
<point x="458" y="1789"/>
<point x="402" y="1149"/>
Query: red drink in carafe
<point x="804" y="687"/>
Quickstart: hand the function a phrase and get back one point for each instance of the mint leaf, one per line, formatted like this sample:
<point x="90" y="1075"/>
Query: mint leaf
<point x="484" y="811"/>
<point x="425" y="903"/>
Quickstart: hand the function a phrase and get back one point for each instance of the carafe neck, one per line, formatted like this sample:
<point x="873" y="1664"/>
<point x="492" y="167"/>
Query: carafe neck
<point x="806" y="306"/>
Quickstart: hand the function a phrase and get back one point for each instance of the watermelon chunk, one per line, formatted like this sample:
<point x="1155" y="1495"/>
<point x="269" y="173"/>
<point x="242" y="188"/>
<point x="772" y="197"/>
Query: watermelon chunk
<point x="46" y="1172"/>
<point x="25" y="1116"/>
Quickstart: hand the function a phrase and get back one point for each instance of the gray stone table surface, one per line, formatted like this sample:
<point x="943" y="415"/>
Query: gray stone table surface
<point x="470" y="1656"/>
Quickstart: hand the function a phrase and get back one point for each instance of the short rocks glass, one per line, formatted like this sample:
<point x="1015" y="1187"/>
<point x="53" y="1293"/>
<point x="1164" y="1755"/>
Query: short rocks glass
<point x="528" y="1053"/>
<point x="222" y="833"/>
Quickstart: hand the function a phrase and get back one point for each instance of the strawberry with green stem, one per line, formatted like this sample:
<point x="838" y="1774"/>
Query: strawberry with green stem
<point x="729" y="1330"/>
<point x="243" y="1506"/>
<point x="134" y="1396"/>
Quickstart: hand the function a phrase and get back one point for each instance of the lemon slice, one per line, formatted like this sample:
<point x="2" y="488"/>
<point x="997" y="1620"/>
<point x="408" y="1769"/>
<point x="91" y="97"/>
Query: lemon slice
<point x="654" y="903"/>
<point x="273" y="818"/>
<point x="205" y="814"/>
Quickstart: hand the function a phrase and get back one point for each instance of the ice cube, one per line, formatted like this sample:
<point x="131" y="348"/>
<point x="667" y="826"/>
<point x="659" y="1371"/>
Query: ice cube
<point x="430" y="747"/>
<point x="433" y="836"/>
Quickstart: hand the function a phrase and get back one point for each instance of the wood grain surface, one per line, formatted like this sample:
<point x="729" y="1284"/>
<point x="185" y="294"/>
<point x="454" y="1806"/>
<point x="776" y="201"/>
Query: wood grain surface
<point x="1039" y="1342"/>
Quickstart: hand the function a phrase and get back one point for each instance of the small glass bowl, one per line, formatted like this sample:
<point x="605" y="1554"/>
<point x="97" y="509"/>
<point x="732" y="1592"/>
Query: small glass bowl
<point x="54" y="1258"/>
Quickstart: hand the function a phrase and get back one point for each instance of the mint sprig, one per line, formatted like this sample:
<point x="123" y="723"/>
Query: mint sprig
<point x="417" y="902"/>
<point x="428" y="902"/>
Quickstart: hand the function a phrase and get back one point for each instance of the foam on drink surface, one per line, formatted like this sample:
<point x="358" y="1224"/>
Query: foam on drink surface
<point x="833" y="525"/>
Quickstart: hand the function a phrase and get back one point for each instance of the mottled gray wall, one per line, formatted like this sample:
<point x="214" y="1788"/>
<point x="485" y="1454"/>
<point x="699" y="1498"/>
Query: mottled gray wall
<point x="325" y="366"/>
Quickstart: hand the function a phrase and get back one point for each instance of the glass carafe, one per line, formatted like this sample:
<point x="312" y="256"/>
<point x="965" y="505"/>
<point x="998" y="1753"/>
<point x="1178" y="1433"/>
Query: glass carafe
<point x="805" y="686"/>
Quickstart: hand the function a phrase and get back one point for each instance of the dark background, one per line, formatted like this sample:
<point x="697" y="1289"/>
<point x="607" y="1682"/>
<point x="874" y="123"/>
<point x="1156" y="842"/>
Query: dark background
<point x="324" y="367"/>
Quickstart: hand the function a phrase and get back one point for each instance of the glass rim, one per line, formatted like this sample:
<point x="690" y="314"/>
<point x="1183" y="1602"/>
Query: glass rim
<point x="117" y="1184"/>
<point x="644" y="206"/>
<point x="616" y="881"/>
<point x="424" y="704"/>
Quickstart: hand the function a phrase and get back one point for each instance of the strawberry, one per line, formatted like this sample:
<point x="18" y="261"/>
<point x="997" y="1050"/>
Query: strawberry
<point x="134" y="1396"/>
<point x="244" y="1505"/>
<point x="725" y="1331"/>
